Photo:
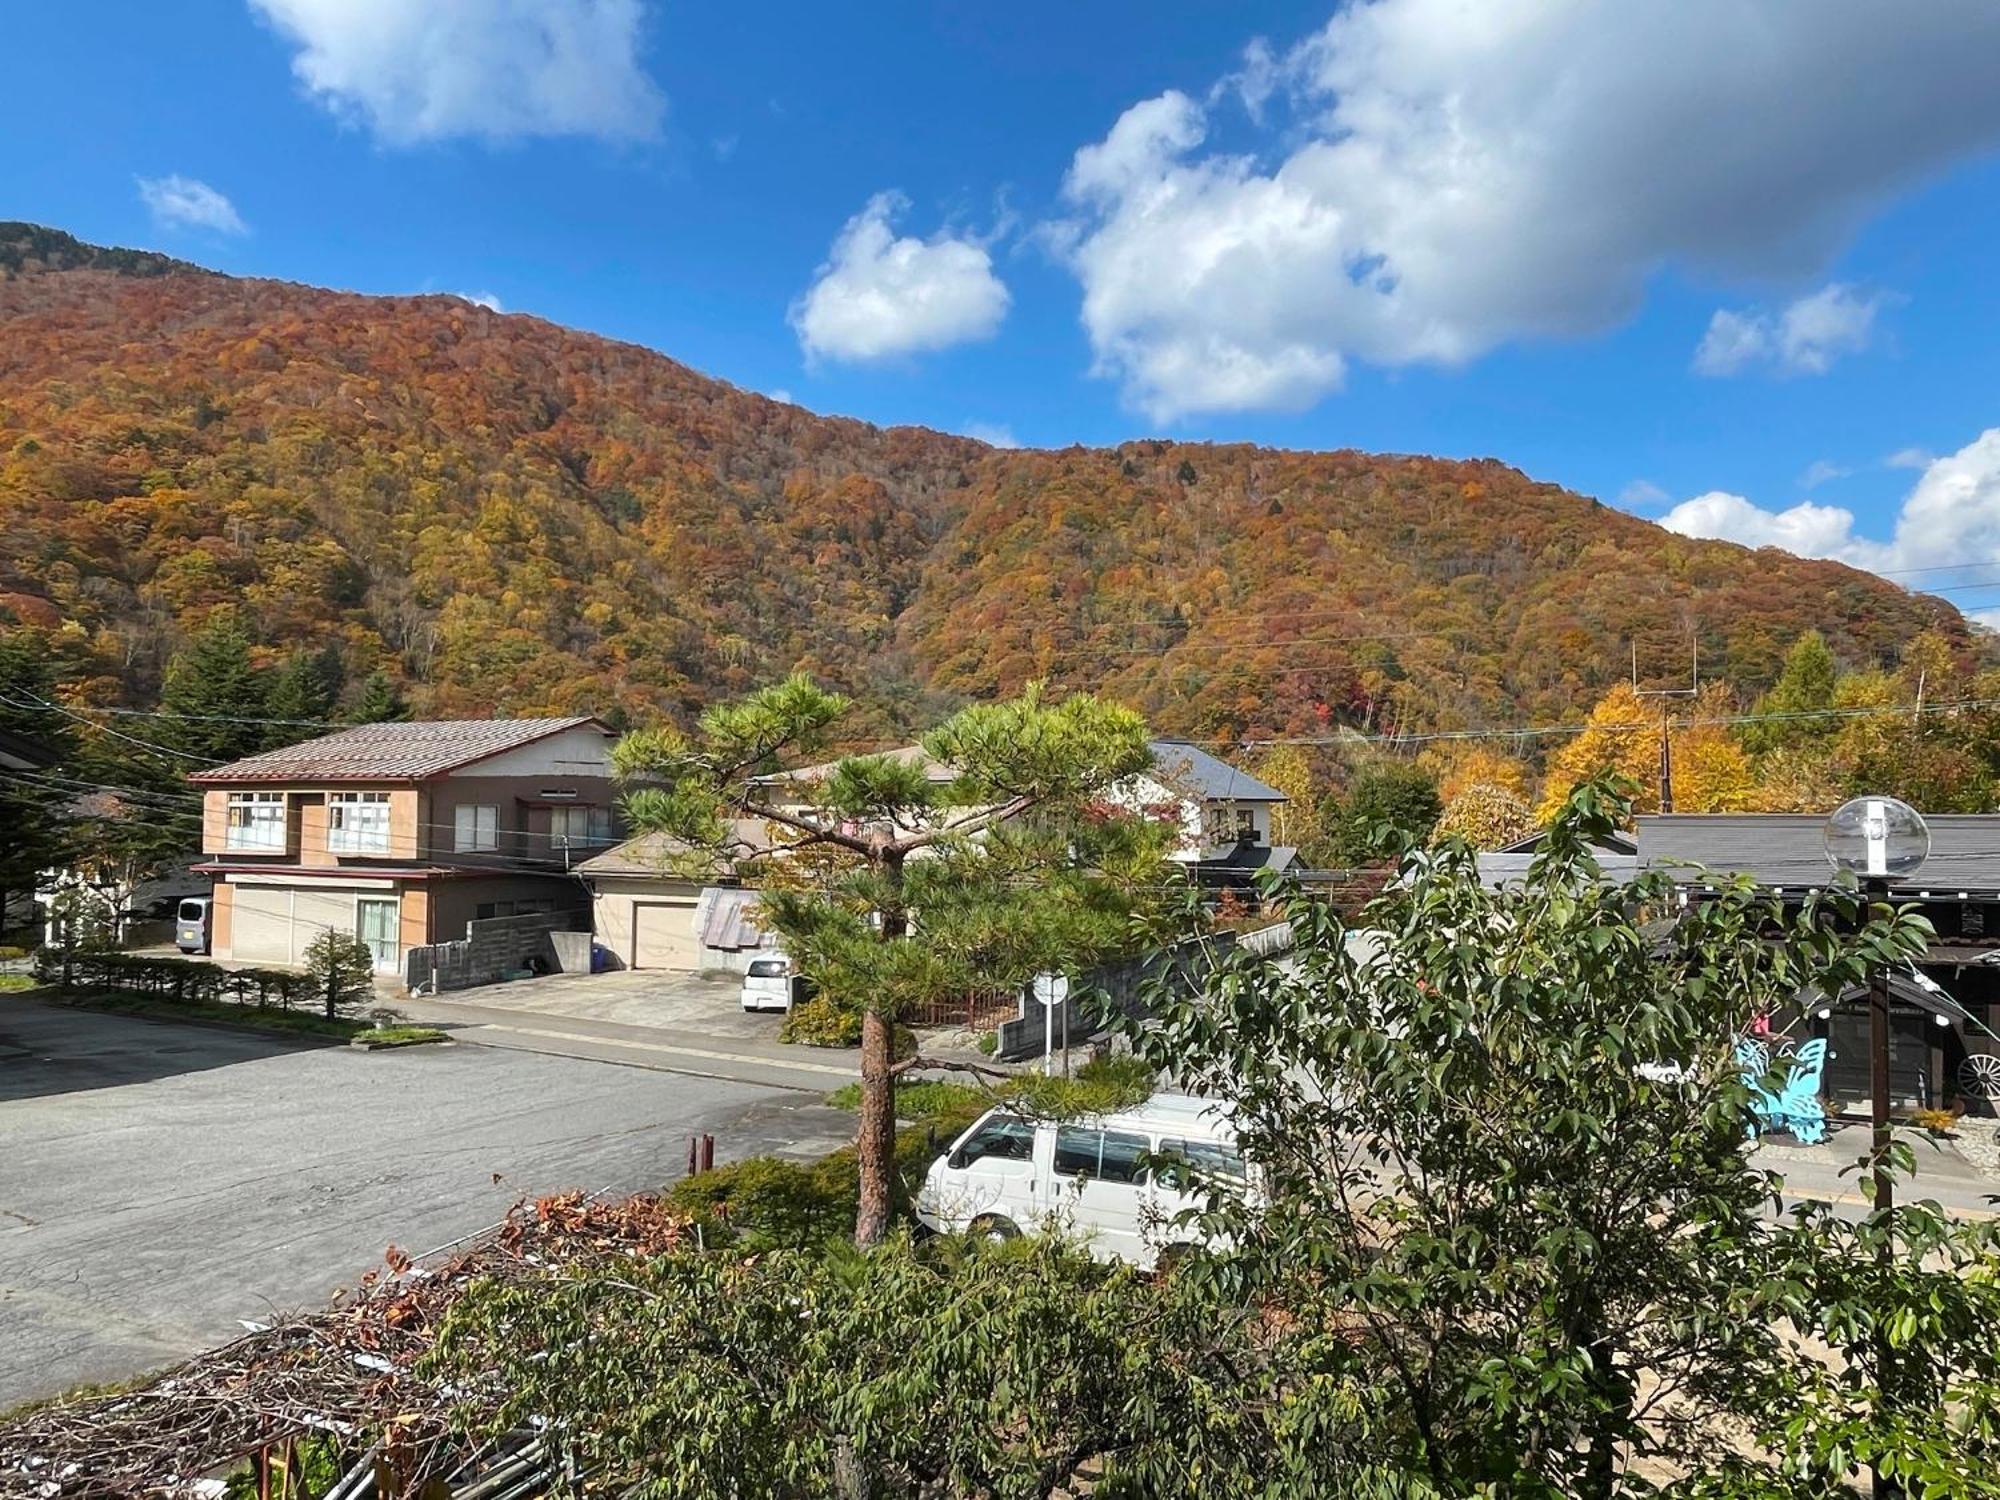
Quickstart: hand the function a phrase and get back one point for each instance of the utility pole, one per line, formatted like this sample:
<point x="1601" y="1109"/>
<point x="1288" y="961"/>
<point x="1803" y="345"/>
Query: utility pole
<point x="1693" y="690"/>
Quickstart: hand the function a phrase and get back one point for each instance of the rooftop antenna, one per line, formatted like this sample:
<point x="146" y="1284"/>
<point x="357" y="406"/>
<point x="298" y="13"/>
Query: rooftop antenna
<point x="1693" y="690"/>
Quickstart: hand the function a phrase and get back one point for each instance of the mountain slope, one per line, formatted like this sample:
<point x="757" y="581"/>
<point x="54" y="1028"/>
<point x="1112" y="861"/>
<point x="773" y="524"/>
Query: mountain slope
<point x="519" y="517"/>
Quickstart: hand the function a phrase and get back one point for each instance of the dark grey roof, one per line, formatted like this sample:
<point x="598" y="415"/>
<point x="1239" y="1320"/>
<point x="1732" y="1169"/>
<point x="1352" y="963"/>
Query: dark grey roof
<point x="1789" y="849"/>
<point x="1243" y="857"/>
<point x="1193" y="772"/>
<point x="20" y="754"/>
<point x="1611" y="843"/>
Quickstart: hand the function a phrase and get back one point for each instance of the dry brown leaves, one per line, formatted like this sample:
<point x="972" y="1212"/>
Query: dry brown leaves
<point x="348" y="1369"/>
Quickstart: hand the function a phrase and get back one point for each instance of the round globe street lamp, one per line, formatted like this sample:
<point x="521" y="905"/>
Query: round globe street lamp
<point x="1877" y="838"/>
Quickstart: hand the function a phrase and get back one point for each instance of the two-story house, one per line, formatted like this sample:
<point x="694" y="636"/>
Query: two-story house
<point x="402" y="833"/>
<point x="1219" y="809"/>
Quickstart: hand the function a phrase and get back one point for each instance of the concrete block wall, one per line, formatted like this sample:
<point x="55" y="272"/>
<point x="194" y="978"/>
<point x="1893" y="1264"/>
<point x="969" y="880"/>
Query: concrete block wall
<point x="491" y="948"/>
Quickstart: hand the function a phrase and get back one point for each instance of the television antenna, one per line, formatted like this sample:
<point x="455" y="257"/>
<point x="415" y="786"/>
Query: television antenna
<point x="1666" y="695"/>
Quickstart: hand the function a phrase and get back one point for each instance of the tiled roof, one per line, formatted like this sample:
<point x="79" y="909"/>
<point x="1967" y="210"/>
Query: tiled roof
<point x="1194" y="772"/>
<point x="393" y="752"/>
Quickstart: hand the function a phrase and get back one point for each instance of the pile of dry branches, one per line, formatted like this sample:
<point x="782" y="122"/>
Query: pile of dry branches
<point x="348" y="1371"/>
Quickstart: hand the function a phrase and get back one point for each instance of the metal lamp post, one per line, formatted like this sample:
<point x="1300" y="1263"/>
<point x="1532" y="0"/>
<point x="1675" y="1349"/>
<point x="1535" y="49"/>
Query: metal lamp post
<point x="1877" y="838"/>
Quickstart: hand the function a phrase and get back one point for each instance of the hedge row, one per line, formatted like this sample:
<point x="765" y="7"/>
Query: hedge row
<point x="183" y="980"/>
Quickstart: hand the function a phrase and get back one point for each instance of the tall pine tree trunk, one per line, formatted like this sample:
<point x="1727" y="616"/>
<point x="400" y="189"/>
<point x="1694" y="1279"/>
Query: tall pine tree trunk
<point x="876" y="1145"/>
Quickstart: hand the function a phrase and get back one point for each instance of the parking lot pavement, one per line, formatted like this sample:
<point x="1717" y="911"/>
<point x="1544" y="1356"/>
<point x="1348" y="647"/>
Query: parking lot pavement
<point x="631" y="997"/>
<point x="161" y="1181"/>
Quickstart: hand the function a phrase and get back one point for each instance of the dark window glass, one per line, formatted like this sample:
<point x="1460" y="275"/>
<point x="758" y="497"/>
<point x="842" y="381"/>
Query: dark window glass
<point x="1179" y="1162"/>
<point x="190" y="911"/>
<point x="1003" y="1137"/>
<point x="1124" y="1157"/>
<point x="1078" y="1151"/>
<point x="767" y="968"/>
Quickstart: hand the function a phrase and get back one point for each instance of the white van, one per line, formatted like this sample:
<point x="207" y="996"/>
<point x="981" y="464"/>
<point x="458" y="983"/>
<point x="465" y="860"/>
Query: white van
<point x="191" y="924"/>
<point x="770" y="984"/>
<point x="1116" y="1181"/>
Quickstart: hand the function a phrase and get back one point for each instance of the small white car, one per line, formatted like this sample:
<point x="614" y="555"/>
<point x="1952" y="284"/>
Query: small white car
<point x="1114" y="1181"/>
<point x="770" y="984"/>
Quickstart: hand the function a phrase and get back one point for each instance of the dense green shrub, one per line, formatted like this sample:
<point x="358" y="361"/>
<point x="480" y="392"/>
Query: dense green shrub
<point x="820" y="1023"/>
<point x="9" y="952"/>
<point x="176" y="980"/>
<point x="925" y="1100"/>
<point x="765" y="1202"/>
<point x="1103" y="1085"/>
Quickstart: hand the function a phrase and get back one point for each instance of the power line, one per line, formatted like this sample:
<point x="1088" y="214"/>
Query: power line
<point x="33" y="704"/>
<point x="399" y="846"/>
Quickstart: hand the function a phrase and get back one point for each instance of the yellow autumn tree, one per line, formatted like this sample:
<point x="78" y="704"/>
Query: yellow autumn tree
<point x="1486" y="816"/>
<point x="1297" y="822"/>
<point x="1460" y="764"/>
<point x="1622" y="734"/>
<point x="1712" y="771"/>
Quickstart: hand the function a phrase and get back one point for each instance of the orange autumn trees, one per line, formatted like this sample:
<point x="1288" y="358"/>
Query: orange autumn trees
<point x="500" y="515"/>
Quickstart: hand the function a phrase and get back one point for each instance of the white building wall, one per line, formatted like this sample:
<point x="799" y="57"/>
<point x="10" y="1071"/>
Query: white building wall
<point x="582" y="751"/>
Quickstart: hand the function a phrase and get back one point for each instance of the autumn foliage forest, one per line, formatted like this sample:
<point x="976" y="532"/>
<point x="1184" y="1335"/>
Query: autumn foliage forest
<point x="416" y="500"/>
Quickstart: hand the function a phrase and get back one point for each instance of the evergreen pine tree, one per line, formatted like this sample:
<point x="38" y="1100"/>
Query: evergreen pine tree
<point x="304" y="693"/>
<point x="215" y="697"/>
<point x="34" y="807"/>
<point x="381" y="702"/>
<point x="1805" y="685"/>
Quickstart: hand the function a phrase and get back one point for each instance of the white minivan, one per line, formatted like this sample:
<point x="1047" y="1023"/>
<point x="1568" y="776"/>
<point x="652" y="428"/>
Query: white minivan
<point x="1115" y="1181"/>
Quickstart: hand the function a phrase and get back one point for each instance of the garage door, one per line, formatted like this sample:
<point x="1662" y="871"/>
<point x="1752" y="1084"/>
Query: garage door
<point x="260" y="925"/>
<point x="663" y="936"/>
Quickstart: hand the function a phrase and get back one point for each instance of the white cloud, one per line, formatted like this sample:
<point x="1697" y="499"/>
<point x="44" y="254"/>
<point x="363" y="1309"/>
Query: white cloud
<point x="1910" y="458"/>
<point x="483" y="299"/>
<point x="1950" y="519"/>
<point x="1822" y="471"/>
<point x="993" y="434"/>
<point x="494" y="69"/>
<point x="879" y="296"/>
<point x="1455" y="176"/>
<point x="781" y="394"/>
<point x="1642" y="494"/>
<point x="1807" y="529"/>
<point x="1804" y="339"/>
<point x="178" y="202"/>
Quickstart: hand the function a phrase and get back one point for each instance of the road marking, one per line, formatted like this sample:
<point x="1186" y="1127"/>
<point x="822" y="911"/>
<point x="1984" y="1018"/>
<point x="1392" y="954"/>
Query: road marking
<point x="701" y="1052"/>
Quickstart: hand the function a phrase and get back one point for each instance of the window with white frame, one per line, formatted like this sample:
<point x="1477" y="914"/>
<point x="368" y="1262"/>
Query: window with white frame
<point x="357" y="822"/>
<point x="256" y="822"/>
<point x="578" y="827"/>
<point x="475" y="828"/>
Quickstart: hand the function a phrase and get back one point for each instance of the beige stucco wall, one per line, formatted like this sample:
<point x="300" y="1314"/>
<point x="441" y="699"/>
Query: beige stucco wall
<point x="614" y="897"/>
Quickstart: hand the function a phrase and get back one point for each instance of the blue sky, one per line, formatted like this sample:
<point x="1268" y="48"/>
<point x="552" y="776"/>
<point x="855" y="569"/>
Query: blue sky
<point x="1728" y="260"/>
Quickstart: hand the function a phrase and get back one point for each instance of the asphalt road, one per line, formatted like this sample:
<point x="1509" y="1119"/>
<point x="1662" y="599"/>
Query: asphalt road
<point x="160" y="1182"/>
